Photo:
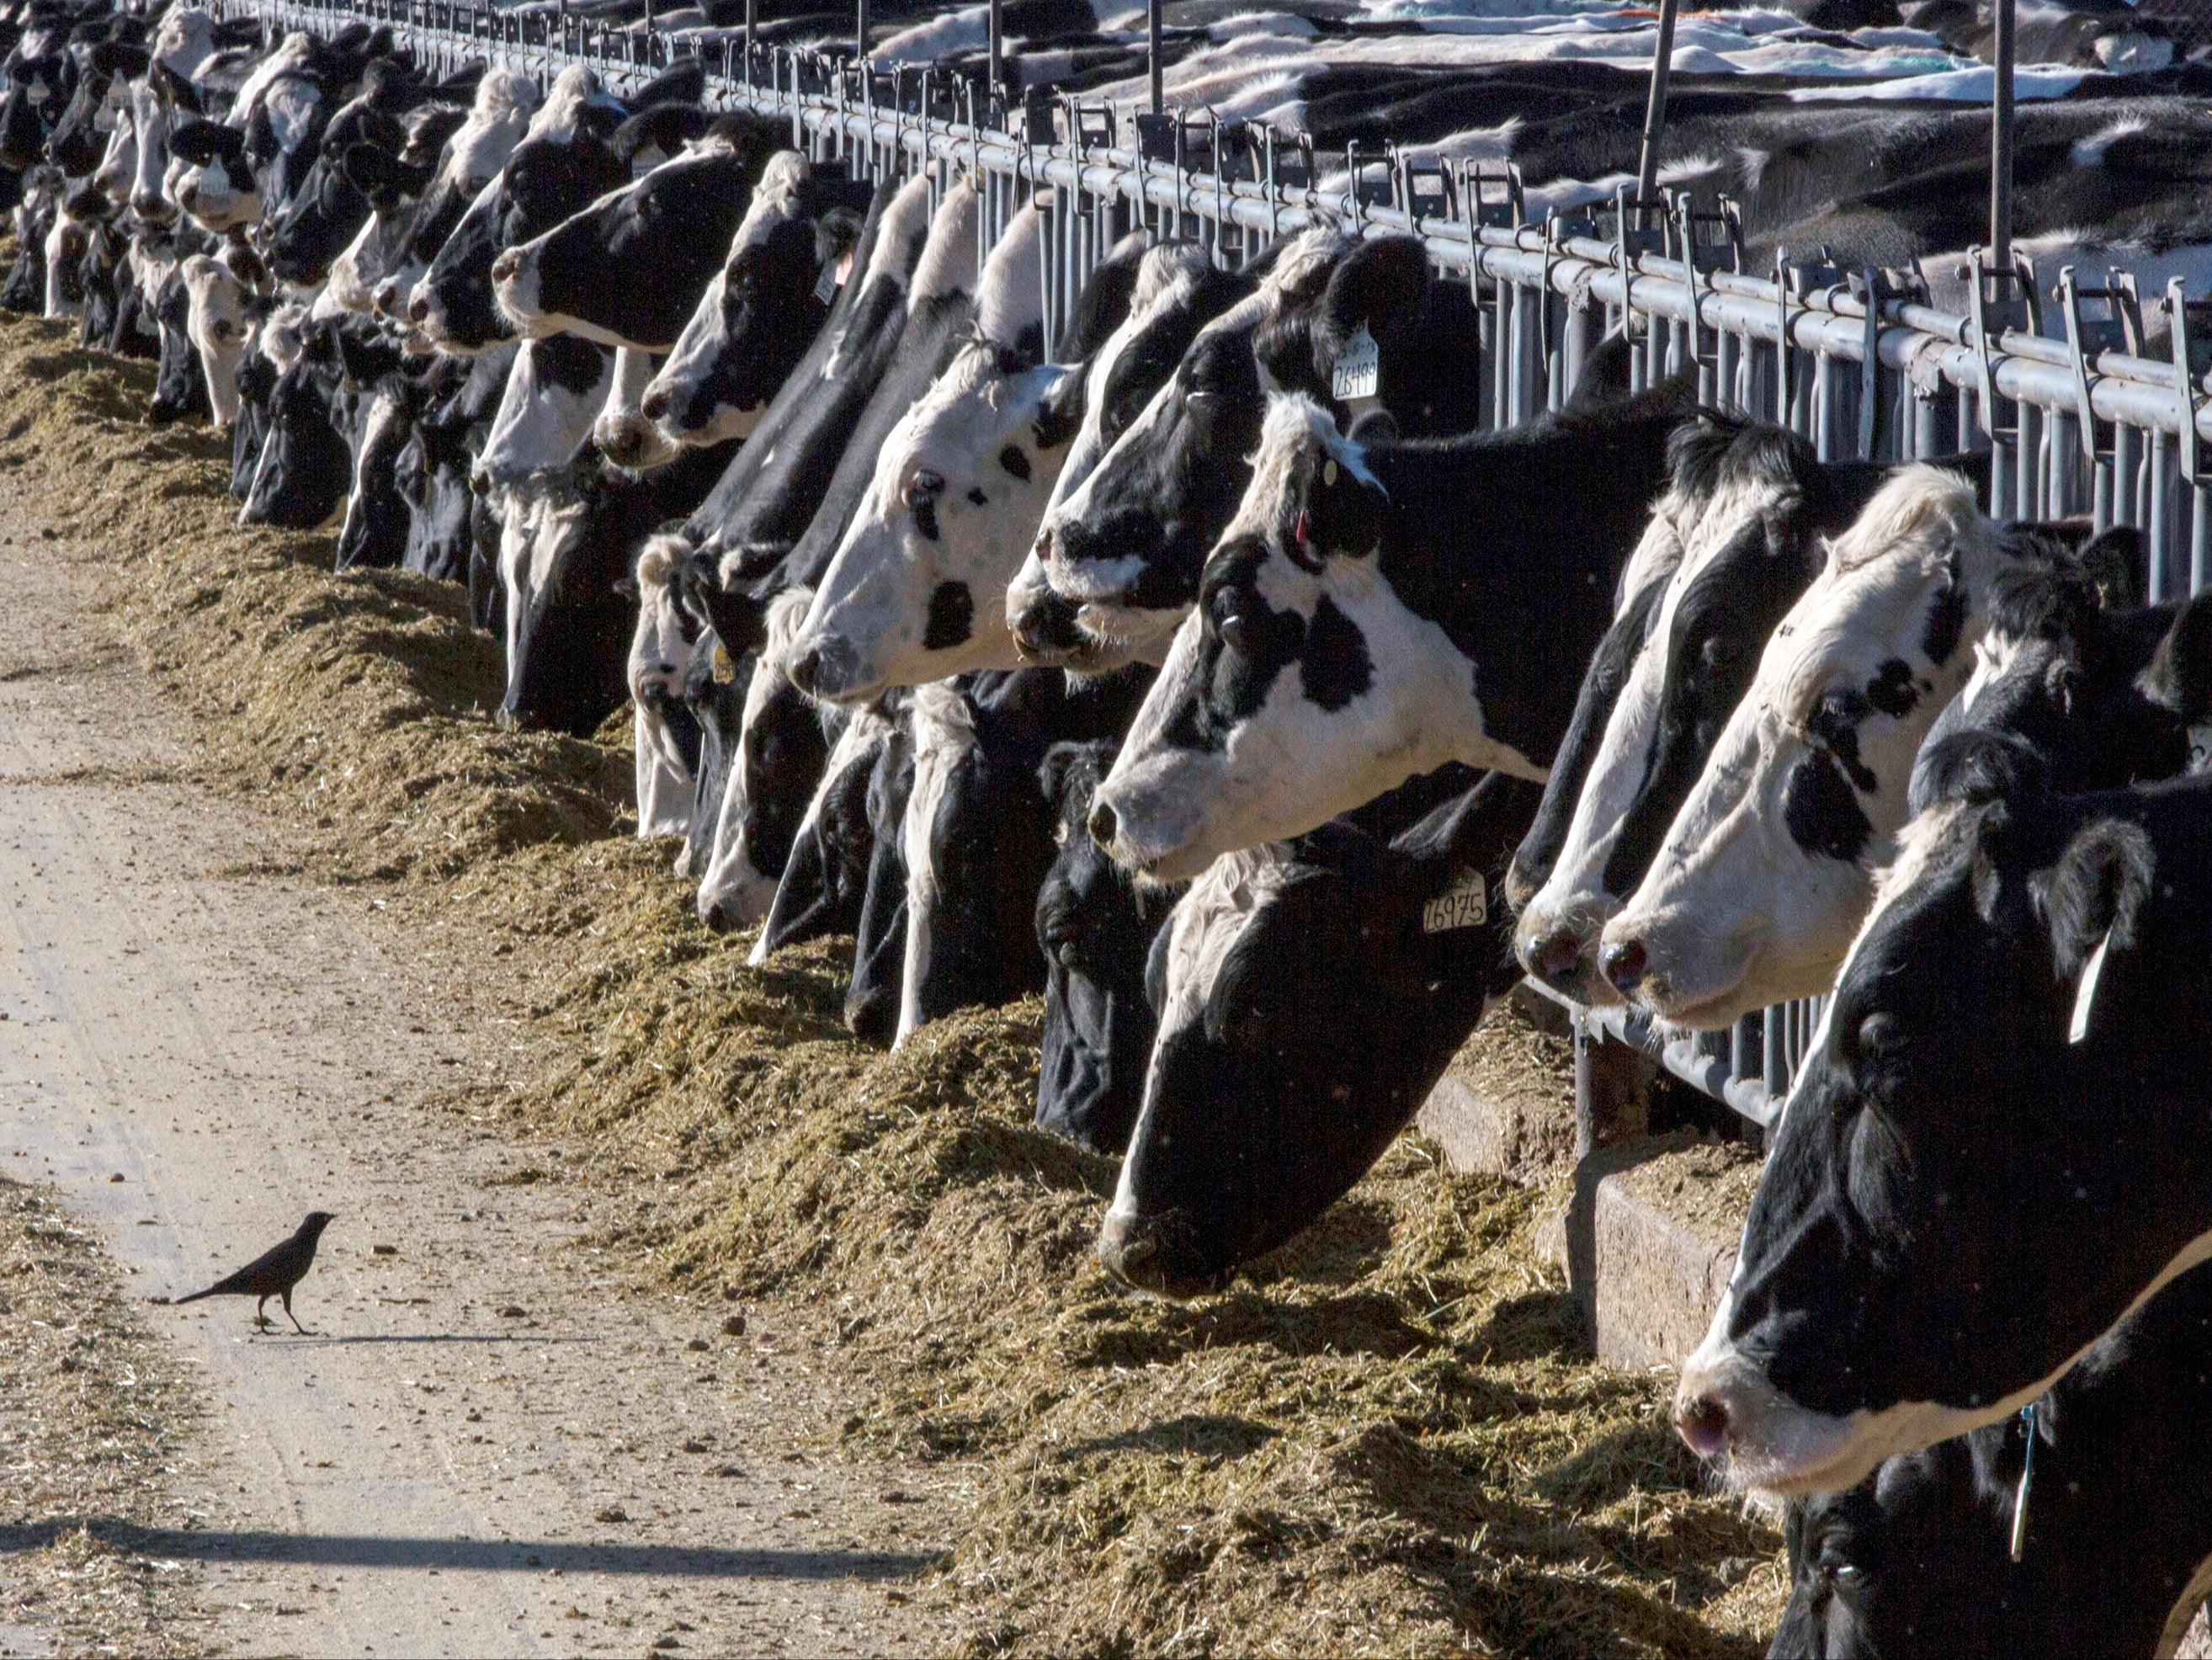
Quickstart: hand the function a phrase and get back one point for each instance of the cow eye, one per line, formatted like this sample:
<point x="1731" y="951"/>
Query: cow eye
<point x="924" y="486"/>
<point x="1878" y="1034"/>
<point x="1228" y="613"/>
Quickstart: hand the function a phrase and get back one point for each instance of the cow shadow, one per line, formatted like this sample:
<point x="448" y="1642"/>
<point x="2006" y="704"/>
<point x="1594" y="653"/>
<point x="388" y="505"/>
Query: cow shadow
<point x="1540" y="1325"/>
<point x="1205" y="1435"/>
<point x="1340" y="1248"/>
<point x="1354" y="1323"/>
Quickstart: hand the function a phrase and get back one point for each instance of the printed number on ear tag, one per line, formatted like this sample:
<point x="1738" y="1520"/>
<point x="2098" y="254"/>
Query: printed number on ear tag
<point x="1359" y="371"/>
<point x="1465" y="905"/>
<point x="726" y="667"/>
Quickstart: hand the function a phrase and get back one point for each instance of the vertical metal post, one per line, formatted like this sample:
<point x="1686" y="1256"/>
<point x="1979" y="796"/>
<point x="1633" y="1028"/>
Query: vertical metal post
<point x="1655" y="109"/>
<point x="2000" y="142"/>
<point x="1152" y="54"/>
<point x="752" y="30"/>
<point x="860" y="30"/>
<point x="998" y="44"/>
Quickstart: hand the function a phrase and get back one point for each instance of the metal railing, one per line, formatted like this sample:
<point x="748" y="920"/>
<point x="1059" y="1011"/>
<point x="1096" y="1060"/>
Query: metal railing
<point x="2054" y="382"/>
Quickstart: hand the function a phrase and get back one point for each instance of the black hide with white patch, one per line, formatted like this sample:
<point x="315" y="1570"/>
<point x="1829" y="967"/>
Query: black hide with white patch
<point x="1332" y="1015"/>
<point x="569" y="671"/>
<point x="826" y="878"/>
<point x="991" y="842"/>
<point x="1916" y="1560"/>
<point x="1908" y="1241"/>
<point x="1095" y="927"/>
<point x="872" y="995"/>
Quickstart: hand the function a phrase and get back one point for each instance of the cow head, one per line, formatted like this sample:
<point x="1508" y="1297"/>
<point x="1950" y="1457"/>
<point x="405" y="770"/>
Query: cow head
<point x="678" y="221"/>
<point x="825" y="880"/>
<point x="917" y="589"/>
<point x="764" y="307"/>
<point x="463" y="162"/>
<point x="563" y="164"/>
<point x="553" y="394"/>
<point x="780" y="755"/>
<point x="1177" y="292"/>
<point x="215" y="185"/>
<point x="1985" y="1162"/>
<point x="1298" y="646"/>
<point x="1268" y="1098"/>
<point x="1768" y="867"/>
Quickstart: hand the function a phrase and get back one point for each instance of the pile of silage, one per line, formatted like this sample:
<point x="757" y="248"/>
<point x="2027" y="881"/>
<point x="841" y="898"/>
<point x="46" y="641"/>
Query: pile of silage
<point x="1387" y="1437"/>
<point x="368" y="695"/>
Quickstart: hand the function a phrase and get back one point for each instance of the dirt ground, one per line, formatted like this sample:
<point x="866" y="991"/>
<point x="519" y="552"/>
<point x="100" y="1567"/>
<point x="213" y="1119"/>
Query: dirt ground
<point x="197" y="1048"/>
<point x="659" y="1312"/>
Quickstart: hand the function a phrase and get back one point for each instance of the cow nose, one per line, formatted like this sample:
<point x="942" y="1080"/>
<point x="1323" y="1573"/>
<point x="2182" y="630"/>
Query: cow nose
<point x="1102" y="824"/>
<point x="147" y="205"/>
<point x="1552" y="957"/>
<point x="803" y="667"/>
<point x="1622" y="961"/>
<point x="504" y="267"/>
<point x="1126" y="1243"/>
<point x="653" y="406"/>
<point x="418" y="309"/>
<point x="718" y="917"/>
<point x="1046" y="625"/>
<point x="1702" y="1421"/>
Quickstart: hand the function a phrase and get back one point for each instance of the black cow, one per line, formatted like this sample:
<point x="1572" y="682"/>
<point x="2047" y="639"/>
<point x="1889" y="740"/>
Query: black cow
<point x="305" y="469"/>
<point x="1917" y="1559"/>
<point x="978" y="833"/>
<point x="1995" y="1148"/>
<point x="1095" y="927"/>
<point x="433" y="466"/>
<point x="327" y="209"/>
<point x="1277" y="1080"/>
<point x="825" y="880"/>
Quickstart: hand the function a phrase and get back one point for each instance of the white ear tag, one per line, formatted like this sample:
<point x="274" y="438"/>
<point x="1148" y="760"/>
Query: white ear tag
<point x="2086" y="993"/>
<point x="1359" y="371"/>
<point x="825" y="290"/>
<point x="1466" y="904"/>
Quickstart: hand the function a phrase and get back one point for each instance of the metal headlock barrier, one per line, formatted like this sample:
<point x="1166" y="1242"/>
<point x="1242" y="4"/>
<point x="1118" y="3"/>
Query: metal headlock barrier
<point x="2051" y="380"/>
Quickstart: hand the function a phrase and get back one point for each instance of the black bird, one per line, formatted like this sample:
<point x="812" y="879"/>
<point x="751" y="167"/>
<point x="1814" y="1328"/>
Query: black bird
<point x="273" y="1274"/>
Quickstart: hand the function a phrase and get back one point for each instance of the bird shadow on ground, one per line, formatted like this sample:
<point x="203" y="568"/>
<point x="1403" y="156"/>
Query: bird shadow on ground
<point x="479" y="1555"/>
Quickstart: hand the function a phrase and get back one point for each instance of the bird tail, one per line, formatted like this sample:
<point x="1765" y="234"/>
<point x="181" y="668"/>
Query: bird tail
<point x="196" y="1296"/>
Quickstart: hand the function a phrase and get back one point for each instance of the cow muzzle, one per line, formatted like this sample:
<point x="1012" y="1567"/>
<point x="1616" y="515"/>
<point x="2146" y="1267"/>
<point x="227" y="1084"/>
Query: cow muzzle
<point x="1153" y="1254"/>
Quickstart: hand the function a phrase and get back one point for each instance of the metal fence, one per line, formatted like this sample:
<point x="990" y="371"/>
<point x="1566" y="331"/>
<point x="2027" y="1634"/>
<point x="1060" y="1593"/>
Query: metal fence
<point x="2050" y="377"/>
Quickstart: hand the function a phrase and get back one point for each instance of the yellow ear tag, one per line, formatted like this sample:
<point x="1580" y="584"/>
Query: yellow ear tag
<point x="1328" y="472"/>
<point x="726" y="667"/>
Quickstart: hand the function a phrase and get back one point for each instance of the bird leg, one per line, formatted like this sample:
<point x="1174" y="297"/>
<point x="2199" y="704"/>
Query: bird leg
<point x="294" y="1318"/>
<point x="261" y="1320"/>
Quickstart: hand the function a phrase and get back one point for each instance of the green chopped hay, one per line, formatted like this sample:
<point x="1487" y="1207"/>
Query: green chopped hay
<point x="1387" y="1437"/>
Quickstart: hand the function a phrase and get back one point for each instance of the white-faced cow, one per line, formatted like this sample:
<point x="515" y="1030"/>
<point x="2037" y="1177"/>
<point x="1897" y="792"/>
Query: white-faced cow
<point x="1767" y="869"/>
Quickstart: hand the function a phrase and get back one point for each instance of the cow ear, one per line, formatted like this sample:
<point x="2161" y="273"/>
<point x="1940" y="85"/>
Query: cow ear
<point x="371" y="169"/>
<point x="176" y="91"/>
<point x="1378" y="426"/>
<point x="2110" y="562"/>
<point x="2095" y="893"/>
<point x="1972" y="769"/>
<point x="2181" y="676"/>
<point x="114" y="58"/>
<point x="1380" y="285"/>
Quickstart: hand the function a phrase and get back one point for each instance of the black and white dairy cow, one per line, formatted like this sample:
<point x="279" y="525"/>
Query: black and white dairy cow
<point x="1996" y="1148"/>
<point x="1268" y="1098"/>
<point x="678" y="221"/>
<point x="1917" y="1560"/>
<point x="1117" y="561"/>
<point x="1745" y="519"/>
<point x="563" y="164"/>
<point x="1375" y="609"/>
<point x="470" y="159"/>
<point x="826" y="878"/>
<point x="305" y="467"/>
<point x="1096" y="925"/>
<point x="794" y="251"/>
<point x="773" y="761"/>
<point x="916" y="590"/>
<point x="664" y="738"/>
<point x="1767" y="869"/>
